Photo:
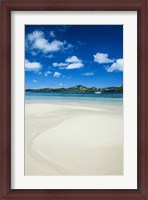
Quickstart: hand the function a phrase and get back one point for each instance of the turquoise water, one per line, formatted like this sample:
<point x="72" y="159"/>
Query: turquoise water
<point x="66" y="98"/>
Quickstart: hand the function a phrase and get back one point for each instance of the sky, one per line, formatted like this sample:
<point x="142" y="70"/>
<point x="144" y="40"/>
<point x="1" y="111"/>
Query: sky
<point x="68" y="55"/>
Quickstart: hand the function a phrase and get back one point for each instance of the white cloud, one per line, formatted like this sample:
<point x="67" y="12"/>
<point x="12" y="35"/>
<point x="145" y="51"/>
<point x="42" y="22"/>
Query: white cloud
<point x="46" y="73"/>
<point x="70" y="63"/>
<point x="59" y="64"/>
<point x="32" y="66"/>
<point x="35" y="35"/>
<point x="73" y="59"/>
<point x="57" y="74"/>
<point x="75" y="63"/>
<point x="102" y="58"/>
<point x="61" y="84"/>
<point x="55" y="45"/>
<point x="37" y="41"/>
<point x="88" y="74"/>
<point x="116" y="66"/>
<point x="43" y="45"/>
<point x="39" y="73"/>
<point x="74" y="66"/>
<point x="34" y="81"/>
<point x="52" y="34"/>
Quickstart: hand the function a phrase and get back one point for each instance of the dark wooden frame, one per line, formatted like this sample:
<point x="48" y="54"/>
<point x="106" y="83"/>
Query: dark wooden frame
<point x="141" y="6"/>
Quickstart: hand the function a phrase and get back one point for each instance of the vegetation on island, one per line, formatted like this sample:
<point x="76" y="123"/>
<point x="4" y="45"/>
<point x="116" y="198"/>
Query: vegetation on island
<point x="80" y="89"/>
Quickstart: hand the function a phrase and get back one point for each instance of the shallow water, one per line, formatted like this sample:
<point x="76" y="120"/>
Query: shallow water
<point x="75" y="98"/>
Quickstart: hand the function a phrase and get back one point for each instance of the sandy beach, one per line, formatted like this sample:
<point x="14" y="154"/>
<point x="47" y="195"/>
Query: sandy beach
<point x="73" y="139"/>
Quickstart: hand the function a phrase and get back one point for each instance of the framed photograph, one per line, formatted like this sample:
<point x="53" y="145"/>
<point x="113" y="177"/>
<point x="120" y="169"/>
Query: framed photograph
<point x="74" y="99"/>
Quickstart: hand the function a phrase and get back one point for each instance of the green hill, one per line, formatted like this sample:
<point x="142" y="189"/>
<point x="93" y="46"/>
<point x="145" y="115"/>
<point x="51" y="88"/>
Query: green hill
<point x="79" y="89"/>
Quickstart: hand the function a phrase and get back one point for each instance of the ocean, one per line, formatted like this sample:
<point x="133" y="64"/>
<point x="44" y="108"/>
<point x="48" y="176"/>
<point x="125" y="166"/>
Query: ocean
<point x="75" y="98"/>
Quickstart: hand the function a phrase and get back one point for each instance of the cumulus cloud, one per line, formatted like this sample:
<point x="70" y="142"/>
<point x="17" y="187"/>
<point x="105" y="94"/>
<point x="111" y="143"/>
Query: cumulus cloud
<point x="116" y="66"/>
<point x="47" y="73"/>
<point x="88" y="74"/>
<point x="73" y="59"/>
<point x="74" y="65"/>
<point x="35" y="35"/>
<point x="57" y="74"/>
<point x="59" y="64"/>
<point x="102" y="58"/>
<point x="32" y="66"/>
<point x="61" y="84"/>
<point x="70" y="63"/>
<point x="36" y="40"/>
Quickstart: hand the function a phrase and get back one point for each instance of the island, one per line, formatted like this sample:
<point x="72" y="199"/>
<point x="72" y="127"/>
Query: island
<point x="80" y="89"/>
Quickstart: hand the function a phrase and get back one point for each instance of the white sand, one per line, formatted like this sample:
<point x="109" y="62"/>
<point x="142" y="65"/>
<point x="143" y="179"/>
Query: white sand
<point x="73" y="140"/>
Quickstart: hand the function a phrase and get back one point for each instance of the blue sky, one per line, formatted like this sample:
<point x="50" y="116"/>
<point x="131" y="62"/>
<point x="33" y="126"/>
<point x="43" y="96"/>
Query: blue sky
<point x="68" y="55"/>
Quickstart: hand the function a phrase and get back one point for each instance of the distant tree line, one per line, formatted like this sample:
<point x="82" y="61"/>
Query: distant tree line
<point x="79" y="89"/>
